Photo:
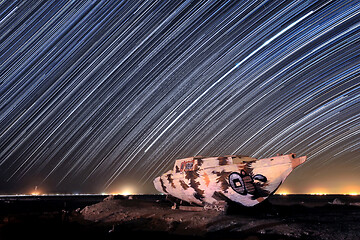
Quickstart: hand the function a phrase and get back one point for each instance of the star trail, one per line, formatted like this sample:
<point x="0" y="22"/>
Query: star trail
<point x="96" y="95"/>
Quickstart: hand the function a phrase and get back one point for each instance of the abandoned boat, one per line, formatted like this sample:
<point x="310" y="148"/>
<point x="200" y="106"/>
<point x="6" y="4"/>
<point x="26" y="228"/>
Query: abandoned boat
<point x="213" y="180"/>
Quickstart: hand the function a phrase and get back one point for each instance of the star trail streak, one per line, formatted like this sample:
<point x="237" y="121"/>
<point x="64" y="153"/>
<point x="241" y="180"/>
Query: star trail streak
<point x="95" y="95"/>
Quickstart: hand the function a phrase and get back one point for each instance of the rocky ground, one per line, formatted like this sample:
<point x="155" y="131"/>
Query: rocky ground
<point x="152" y="217"/>
<point x="267" y="221"/>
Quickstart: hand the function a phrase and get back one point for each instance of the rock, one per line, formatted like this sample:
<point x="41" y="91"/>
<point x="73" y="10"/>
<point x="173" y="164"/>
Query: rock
<point x="110" y="197"/>
<point x="337" y="201"/>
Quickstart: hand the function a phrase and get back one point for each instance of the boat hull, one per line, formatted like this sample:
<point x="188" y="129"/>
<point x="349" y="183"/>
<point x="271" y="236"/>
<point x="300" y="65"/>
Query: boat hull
<point x="214" y="180"/>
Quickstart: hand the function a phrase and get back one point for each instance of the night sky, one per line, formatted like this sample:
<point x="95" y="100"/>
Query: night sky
<point x="101" y="96"/>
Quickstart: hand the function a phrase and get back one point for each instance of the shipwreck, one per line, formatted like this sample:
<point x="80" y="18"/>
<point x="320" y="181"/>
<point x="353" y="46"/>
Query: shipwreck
<point x="208" y="181"/>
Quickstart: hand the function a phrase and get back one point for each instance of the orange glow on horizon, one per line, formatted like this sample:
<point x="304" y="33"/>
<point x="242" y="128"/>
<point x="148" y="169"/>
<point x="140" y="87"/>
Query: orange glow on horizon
<point x="125" y="191"/>
<point x="283" y="193"/>
<point x="348" y="190"/>
<point x="36" y="191"/>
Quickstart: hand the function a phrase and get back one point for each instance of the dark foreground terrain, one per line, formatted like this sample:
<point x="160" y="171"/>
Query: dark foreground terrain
<point x="151" y="216"/>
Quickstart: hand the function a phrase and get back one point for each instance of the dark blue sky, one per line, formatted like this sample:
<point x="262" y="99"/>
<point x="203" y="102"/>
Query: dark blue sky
<point x="96" y="95"/>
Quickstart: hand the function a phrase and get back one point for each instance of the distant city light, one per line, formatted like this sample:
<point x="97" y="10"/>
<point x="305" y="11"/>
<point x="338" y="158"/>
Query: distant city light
<point x="125" y="193"/>
<point x="125" y="190"/>
<point x="36" y="191"/>
<point x="319" y="193"/>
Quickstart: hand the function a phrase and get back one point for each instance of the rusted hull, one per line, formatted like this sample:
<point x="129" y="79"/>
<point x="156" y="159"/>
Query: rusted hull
<point x="211" y="180"/>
